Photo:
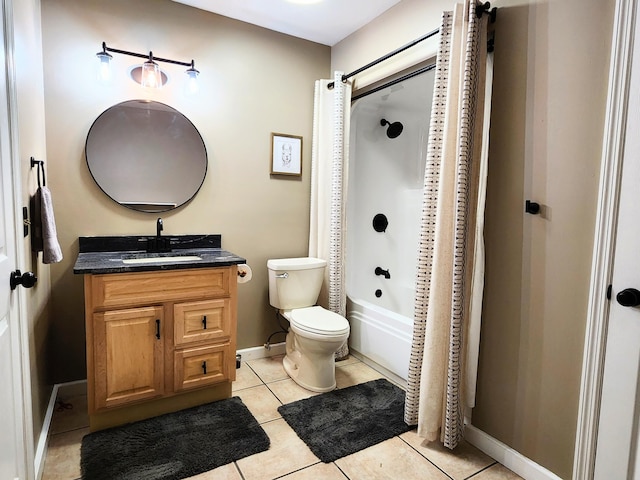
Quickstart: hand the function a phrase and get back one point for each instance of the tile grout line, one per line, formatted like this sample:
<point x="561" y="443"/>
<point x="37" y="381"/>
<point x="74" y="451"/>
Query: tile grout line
<point x="482" y="470"/>
<point x="297" y="470"/>
<point x="423" y="456"/>
<point x="341" y="471"/>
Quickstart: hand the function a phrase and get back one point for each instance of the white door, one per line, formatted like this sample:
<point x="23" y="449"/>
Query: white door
<point x="12" y="441"/>
<point x="619" y="433"/>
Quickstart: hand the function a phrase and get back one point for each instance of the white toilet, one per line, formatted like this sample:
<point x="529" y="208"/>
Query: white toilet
<point x="315" y="334"/>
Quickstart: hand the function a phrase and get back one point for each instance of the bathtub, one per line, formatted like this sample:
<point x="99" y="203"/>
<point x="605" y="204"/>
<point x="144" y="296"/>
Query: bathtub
<point x="380" y="335"/>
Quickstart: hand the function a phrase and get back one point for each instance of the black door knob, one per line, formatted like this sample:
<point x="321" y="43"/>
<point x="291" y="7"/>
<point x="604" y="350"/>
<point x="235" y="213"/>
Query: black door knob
<point x="629" y="297"/>
<point x="26" y="279"/>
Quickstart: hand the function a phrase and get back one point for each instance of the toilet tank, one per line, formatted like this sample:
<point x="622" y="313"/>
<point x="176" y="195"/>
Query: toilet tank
<point x="295" y="282"/>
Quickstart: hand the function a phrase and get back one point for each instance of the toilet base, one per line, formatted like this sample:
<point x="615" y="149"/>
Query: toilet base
<point x="311" y="364"/>
<point x="293" y="371"/>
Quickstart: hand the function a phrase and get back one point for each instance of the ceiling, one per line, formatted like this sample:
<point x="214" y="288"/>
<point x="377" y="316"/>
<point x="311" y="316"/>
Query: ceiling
<point x="321" y="21"/>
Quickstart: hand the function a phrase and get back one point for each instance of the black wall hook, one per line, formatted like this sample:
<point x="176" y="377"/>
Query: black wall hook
<point x="532" y="207"/>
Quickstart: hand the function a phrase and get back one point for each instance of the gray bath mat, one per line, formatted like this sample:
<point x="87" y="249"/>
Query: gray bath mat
<point x="174" y="446"/>
<point x="344" y="421"/>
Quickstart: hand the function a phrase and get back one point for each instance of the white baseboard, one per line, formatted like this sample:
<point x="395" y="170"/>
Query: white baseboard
<point x="254" y="353"/>
<point x="507" y="456"/>
<point x="43" y="440"/>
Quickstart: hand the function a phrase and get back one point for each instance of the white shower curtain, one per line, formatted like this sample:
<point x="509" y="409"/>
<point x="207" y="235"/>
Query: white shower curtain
<point x="450" y="250"/>
<point x="329" y="164"/>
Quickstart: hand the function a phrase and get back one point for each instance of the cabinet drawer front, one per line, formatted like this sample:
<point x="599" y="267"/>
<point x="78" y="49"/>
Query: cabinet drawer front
<point x="129" y="356"/>
<point x="124" y="289"/>
<point x="207" y="320"/>
<point x="201" y="366"/>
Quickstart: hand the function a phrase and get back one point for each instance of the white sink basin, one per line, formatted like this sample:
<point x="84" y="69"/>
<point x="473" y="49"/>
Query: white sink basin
<point x="178" y="258"/>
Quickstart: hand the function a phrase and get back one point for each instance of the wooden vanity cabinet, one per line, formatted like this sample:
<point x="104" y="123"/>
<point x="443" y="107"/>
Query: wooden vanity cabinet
<point x="158" y="341"/>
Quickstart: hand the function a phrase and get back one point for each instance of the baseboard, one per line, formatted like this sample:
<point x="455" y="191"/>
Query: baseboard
<point x="254" y="353"/>
<point x="43" y="441"/>
<point x="507" y="456"/>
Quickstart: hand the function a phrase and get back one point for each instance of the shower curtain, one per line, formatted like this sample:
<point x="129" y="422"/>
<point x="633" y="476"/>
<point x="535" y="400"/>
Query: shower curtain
<point x="329" y="163"/>
<point x="450" y="249"/>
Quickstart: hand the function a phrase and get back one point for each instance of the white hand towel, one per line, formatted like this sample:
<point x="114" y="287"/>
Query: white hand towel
<point x="51" y="252"/>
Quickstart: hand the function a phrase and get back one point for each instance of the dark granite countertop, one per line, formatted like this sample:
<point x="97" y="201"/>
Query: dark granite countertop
<point x="127" y="254"/>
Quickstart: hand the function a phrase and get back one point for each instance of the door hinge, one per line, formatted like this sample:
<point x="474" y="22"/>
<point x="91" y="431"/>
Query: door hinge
<point x="609" y="288"/>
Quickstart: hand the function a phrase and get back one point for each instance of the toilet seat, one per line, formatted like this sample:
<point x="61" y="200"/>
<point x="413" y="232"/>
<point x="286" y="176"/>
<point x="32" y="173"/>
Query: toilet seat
<point x="318" y="321"/>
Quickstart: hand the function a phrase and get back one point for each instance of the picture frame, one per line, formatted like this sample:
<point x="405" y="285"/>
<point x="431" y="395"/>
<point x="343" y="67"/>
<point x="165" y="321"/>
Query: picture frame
<point x="286" y="154"/>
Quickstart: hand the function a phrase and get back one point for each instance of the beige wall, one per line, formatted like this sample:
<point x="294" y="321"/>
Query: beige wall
<point x="31" y="136"/>
<point x="550" y="84"/>
<point x="253" y="82"/>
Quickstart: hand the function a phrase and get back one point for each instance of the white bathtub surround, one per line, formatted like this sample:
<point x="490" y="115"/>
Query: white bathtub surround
<point x="329" y="162"/>
<point x="386" y="177"/>
<point x="446" y="259"/>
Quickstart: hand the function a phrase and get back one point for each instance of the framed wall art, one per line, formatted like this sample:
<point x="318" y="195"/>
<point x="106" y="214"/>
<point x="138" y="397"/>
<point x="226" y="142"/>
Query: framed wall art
<point x="286" y="154"/>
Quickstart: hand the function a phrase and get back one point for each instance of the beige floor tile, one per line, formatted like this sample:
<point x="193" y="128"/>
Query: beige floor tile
<point x="496" y="472"/>
<point x="261" y="403"/>
<point x="355" y="373"/>
<point x="63" y="456"/>
<point x="245" y="378"/>
<point x="286" y="454"/>
<point x="289" y="391"/>
<point x="389" y="460"/>
<point x="70" y="413"/>
<point x="347" y="361"/>
<point x="225" y="472"/>
<point x="269" y="369"/>
<point x="324" y="471"/>
<point x="459" y="464"/>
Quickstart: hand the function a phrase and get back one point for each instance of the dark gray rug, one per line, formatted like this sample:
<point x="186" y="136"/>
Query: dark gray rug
<point x="344" y="421"/>
<point x="174" y="446"/>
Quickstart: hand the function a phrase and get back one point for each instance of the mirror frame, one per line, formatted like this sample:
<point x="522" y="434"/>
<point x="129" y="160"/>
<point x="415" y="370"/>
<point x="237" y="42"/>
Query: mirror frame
<point x="147" y="207"/>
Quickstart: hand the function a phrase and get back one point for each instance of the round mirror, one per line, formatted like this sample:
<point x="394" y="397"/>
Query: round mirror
<point x="146" y="156"/>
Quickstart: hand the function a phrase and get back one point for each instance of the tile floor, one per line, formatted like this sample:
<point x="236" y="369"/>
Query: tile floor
<point x="263" y="386"/>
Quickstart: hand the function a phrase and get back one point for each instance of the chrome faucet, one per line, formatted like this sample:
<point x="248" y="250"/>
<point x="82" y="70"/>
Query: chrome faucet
<point x="159" y="227"/>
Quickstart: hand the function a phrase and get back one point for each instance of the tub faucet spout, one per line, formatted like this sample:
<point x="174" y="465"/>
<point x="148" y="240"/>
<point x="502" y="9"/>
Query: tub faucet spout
<point x="380" y="271"/>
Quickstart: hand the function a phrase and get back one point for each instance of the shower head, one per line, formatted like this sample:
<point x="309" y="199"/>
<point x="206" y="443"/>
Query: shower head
<point x="394" y="129"/>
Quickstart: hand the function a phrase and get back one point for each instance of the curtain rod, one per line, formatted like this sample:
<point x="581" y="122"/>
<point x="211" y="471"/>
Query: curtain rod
<point x="480" y="9"/>
<point x="393" y="82"/>
<point x="388" y="55"/>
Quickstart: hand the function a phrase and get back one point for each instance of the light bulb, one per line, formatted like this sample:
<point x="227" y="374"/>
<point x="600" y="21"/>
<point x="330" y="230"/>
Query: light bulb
<point x="104" y="67"/>
<point x="192" y="82"/>
<point x="151" y="75"/>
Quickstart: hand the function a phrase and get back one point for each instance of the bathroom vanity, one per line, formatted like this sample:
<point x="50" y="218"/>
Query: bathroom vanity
<point x="160" y="328"/>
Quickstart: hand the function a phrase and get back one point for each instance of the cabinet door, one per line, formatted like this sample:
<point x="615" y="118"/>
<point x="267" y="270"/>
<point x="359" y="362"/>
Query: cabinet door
<point x="128" y="349"/>
<point x="208" y="320"/>
<point x="201" y="366"/>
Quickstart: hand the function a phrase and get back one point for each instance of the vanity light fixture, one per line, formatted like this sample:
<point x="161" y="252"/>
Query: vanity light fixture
<point x="149" y="73"/>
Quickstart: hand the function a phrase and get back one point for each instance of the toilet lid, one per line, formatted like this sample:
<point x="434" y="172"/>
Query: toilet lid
<point x="320" y="321"/>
